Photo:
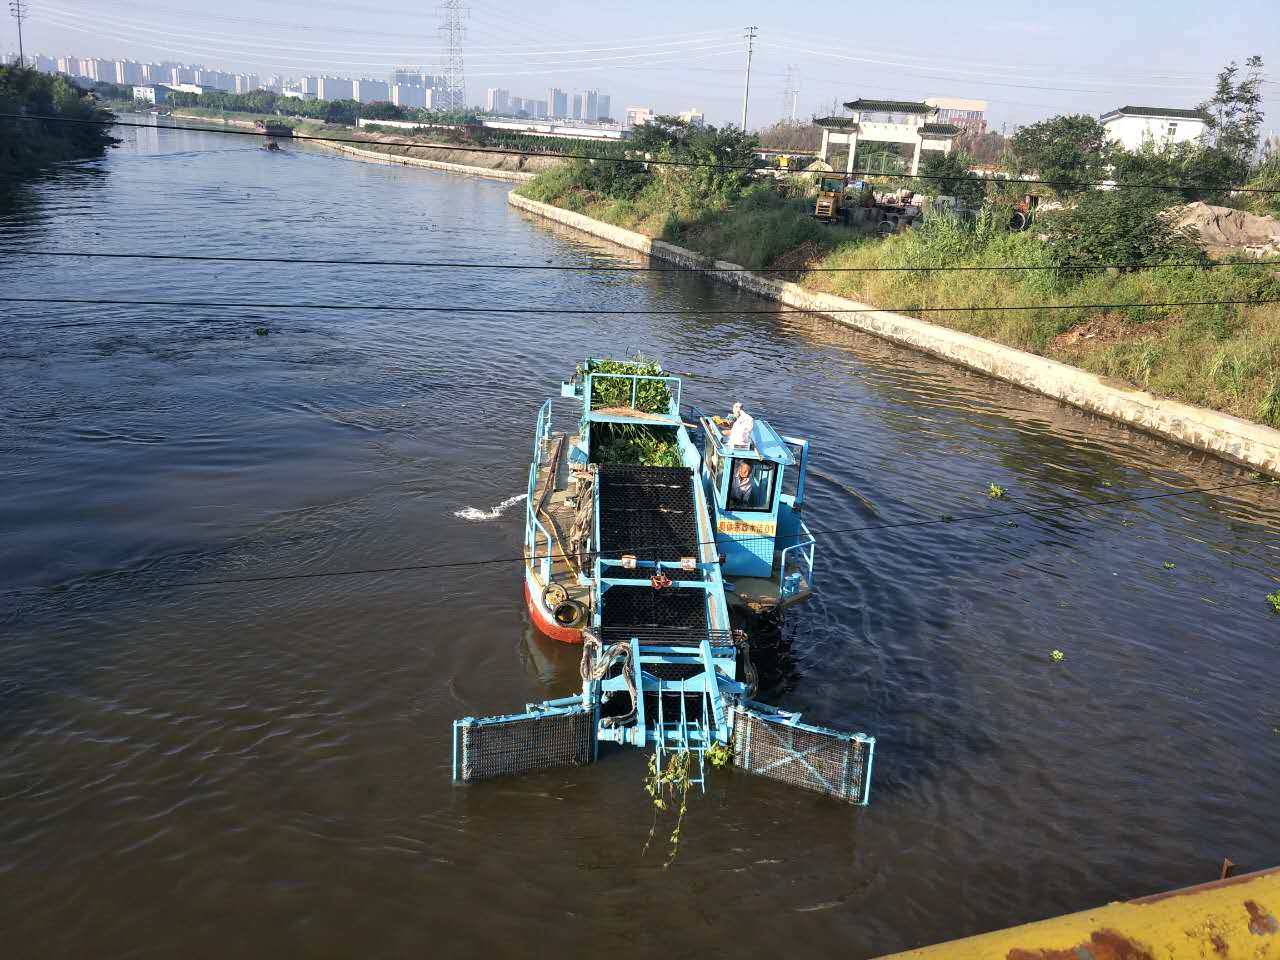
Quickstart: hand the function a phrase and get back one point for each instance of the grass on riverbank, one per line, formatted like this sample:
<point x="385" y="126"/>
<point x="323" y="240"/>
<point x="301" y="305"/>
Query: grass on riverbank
<point x="1226" y="357"/>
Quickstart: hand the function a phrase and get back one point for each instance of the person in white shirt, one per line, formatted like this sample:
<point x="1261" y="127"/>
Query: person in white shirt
<point x="740" y="432"/>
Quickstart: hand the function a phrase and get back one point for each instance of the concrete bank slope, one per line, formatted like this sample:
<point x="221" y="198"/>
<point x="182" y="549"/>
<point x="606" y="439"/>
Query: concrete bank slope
<point x="378" y="156"/>
<point x="1229" y="437"/>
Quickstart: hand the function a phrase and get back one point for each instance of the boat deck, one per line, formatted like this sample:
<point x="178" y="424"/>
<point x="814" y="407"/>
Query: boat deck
<point x="551" y="505"/>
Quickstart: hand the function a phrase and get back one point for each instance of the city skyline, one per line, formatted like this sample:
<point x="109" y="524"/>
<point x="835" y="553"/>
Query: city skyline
<point x="1023" y="68"/>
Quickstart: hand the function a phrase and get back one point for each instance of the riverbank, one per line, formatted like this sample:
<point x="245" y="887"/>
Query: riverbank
<point x="386" y="148"/>
<point x="1222" y="352"/>
<point x="1219" y="433"/>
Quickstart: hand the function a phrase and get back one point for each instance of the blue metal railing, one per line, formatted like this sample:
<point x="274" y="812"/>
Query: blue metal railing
<point x="672" y="384"/>
<point x="532" y="525"/>
<point x="801" y="552"/>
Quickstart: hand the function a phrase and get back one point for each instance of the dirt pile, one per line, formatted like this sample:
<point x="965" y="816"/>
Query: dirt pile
<point x="1223" y="229"/>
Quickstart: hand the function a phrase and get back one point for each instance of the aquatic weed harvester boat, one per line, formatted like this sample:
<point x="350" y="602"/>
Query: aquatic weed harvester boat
<point x="642" y="537"/>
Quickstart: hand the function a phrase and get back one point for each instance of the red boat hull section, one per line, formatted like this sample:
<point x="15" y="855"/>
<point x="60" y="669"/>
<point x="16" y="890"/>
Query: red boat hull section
<point x="541" y="617"/>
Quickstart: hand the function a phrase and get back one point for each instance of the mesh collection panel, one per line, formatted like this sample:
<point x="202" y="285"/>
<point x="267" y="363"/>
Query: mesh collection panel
<point x="647" y="511"/>
<point x="643" y="573"/>
<point x="521" y="744"/>
<point x="825" y="761"/>
<point x="674" y="611"/>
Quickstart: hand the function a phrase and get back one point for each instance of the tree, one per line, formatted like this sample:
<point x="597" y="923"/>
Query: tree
<point x="947" y="174"/>
<point x="382" y="110"/>
<point x="1069" y="151"/>
<point x="1235" y="111"/>
<point x="1195" y="171"/>
<point x="26" y="145"/>
<point x="1128" y="227"/>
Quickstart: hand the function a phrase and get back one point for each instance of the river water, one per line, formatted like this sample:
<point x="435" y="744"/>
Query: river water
<point x="262" y="769"/>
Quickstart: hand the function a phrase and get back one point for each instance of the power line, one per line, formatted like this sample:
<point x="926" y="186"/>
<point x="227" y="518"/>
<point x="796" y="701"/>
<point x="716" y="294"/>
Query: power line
<point x="641" y="550"/>
<point x="507" y="151"/>
<point x="710" y="268"/>
<point x="644" y="312"/>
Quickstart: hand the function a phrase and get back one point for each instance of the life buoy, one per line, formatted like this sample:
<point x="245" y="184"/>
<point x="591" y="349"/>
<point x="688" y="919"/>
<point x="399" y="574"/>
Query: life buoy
<point x="570" y="614"/>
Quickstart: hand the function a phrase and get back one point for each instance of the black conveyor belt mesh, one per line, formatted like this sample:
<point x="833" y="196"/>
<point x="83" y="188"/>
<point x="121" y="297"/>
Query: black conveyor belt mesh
<point x="647" y="512"/>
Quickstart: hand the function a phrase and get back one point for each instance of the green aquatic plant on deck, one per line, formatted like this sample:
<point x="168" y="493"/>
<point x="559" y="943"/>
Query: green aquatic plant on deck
<point x="652" y="396"/>
<point x="635" y="443"/>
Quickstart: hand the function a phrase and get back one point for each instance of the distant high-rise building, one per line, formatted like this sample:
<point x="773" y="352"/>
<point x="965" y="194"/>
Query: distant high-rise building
<point x="602" y="108"/>
<point x="335" y="88"/>
<point x="126" y="72"/>
<point x="246" y="82"/>
<point x="367" y="91"/>
<point x="694" y="117"/>
<point x="586" y="105"/>
<point x="539" y="109"/>
<point x="180" y="74"/>
<point x="411" y="96"/>
<point x="45" y="64"/>
<point x="497" y="100"/>
<point x="557" y="103"/>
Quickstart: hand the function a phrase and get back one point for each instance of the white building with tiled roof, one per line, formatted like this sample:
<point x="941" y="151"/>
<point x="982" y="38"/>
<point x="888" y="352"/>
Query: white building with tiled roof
<point x="1131" y="127"/>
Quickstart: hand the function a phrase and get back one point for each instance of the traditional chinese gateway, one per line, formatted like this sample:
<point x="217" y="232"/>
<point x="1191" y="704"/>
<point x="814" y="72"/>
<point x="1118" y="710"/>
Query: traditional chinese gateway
<point x="653" y="541"/>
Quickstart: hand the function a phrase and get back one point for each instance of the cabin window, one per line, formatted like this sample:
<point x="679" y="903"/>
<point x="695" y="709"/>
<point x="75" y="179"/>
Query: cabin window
<point x="751" y="485"/>
<point x="711" y="454"/>
<point x="1173" y="129"/>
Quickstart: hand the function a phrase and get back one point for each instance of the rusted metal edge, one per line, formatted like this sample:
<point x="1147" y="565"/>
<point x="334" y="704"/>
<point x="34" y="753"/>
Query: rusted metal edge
<point x="1238" y="917"/>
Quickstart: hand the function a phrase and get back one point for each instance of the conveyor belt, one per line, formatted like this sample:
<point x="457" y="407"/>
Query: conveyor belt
<point x="647" y="512"/>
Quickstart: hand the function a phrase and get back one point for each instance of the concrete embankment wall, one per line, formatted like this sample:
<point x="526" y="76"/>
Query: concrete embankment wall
<point x="379" y="157"/>
<point x="1230" y="437"/>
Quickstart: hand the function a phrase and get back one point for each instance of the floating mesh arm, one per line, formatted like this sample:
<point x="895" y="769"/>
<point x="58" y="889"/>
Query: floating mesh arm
<point x="539" y="740"/>
<point x="772" y="744"/>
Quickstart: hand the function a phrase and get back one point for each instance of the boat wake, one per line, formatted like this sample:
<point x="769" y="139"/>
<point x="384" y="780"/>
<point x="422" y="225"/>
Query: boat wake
<point x="480" y="516"/>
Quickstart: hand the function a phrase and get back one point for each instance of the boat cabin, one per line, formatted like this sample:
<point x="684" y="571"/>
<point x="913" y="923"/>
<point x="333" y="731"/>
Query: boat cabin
<point x="757" y="493"/>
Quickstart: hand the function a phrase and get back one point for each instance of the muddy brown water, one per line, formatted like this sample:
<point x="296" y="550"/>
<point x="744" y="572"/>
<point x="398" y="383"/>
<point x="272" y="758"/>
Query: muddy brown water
<point x="262" y="769"/>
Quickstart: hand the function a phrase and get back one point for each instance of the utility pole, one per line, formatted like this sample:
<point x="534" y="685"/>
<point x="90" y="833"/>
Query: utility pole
<point x="452" y="14"/>
<point x="750" y="37"/>
<point x="19" y="10"/>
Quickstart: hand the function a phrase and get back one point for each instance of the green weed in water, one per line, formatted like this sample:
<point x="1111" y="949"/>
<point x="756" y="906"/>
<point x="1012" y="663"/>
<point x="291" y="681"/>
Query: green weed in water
<point x="1168" y="565"/>
<point x="663" y="787"/>
<point x="1057" y="656"/>
<point x="1274" y="600"/>
<point x="720" y="755"/>
<point x="995" y="492"/>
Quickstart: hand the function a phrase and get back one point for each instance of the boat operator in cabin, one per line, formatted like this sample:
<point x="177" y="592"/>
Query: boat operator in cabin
<point x="745" y="488"/>
<point x="740" y="432"/>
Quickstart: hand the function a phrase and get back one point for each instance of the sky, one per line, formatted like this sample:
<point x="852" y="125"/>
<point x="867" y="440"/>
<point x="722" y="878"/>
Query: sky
<point x="1028" y="61"/>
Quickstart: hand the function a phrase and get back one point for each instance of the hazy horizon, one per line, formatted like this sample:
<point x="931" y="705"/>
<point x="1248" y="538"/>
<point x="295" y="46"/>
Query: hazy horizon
<point x="1026" y="65"/>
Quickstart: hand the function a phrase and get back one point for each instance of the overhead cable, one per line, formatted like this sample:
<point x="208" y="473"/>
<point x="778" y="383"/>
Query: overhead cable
<point x="711" y="267"/>
<point x="640" y="550"/>
<point x="591" y="311"/>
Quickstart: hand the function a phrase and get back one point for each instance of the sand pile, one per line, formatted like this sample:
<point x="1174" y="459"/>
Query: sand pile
<point x="1223" y="228"/>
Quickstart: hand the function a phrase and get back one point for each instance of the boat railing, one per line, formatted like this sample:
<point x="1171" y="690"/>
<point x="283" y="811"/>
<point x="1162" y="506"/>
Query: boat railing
<point x="672" y="384"/>
<point x="535" y="533"/>
<point x="800" y="553"/>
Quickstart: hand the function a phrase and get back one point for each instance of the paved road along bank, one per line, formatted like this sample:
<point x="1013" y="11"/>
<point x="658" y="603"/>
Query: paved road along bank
<point x="1222" y="434"/>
